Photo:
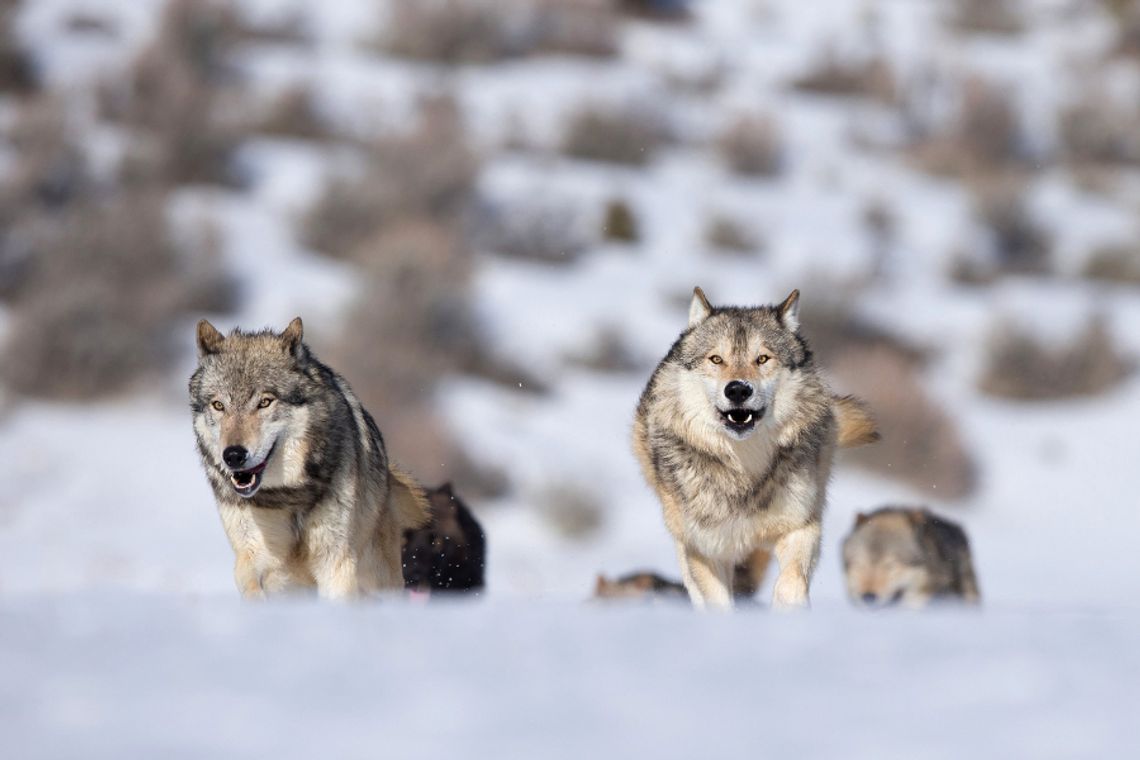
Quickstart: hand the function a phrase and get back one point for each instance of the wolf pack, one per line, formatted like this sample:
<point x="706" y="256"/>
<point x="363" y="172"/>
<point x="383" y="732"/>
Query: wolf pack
<point x="735" y="432"/>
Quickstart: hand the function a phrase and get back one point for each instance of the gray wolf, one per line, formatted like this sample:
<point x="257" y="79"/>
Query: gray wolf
<point x="909" y="557"/>
<point x="642" y="585"/>
<point x="735" y="432"/>
<point x="449" y="552"/>
<point x="304" y="487"/>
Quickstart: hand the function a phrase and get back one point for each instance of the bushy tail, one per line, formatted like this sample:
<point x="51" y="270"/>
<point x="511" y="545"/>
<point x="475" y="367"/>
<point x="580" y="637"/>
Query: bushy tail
<point x="856" y="425"/>
<point x="407" y="499"/>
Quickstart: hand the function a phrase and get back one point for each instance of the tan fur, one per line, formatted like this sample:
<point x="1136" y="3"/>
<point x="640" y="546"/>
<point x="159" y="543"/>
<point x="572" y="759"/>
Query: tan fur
<point x="728" y="498"/>
<point x="856" y="425"/>
<point x="909" y="557"/>
<point x="339" y="533"/>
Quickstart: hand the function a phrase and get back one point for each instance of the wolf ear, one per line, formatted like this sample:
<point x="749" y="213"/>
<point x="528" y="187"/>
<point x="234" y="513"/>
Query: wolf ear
<point x="209" y="339"/>
<point x="292" y="337"/>
<point x="699" y="308"/>
<point x="860" y="518"/>
<point x="789" y="311"/>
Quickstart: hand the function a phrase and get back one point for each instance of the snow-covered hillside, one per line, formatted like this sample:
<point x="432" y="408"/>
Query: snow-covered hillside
<point x="120" y="633"/>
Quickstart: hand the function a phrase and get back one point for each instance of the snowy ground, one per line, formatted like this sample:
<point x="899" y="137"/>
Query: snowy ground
<point x="125" y="676"/>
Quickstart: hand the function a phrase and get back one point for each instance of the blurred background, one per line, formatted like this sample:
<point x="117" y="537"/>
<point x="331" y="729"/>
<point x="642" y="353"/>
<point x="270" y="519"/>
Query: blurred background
<point x="491" y="216"/>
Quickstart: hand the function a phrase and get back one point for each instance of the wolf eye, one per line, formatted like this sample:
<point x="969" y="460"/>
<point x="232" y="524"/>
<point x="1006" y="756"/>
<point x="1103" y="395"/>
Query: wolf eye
<point x="715" y="359"/>
<point x="762" y="359"/>
<point x="218" y="405"/>
<point x="265" y="402"/>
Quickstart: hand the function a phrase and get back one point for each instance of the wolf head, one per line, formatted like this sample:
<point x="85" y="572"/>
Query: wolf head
<point x="885" y="561"/>
<point x="248" y="400"/>
<point x="740" y="363"/>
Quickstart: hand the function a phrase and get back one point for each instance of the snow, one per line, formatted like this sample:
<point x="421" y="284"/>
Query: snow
<point x="114" y="676"/>
<point x="120" y="631"/>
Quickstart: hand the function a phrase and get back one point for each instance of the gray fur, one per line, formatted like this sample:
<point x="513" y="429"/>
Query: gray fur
<point x="735" y="494"/>
<point x="909" y="556"/>
<point x="326" y="508"/>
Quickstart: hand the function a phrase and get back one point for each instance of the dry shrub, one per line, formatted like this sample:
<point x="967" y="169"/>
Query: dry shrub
<point x="1120" y="264"/>
<point x="178" y="100"/>
<point x="484" y="31"/>
<point x="543" y="230"/>
<point x="920" y="445"/>
<point x="294" y="113"/>
<point x="106" y="286"/>
<point x="1019" y="244"/>
<point x="983" y="136"/>
<point x="620" y="135"/>
<point x="833" y="76"/>
<point x="657" y="10"/>
<point x="969" y="270"/>
<point x="833" y="329"/>
<point x="751" y="146"/>
<point x="1002" y="17"/>
<point x="86" y="22"/>
<point x="569" y="510"/>
<point x="1095" y="130"/>
<point x="49" y="170"/>
<point x="290" y="29"/>
<point x="726" y="235"/>
<point x="619" y="223"/>
<point x="610" y="352"/>
<point x="17" y="69"/>
<point x="411" y="327"/>
<point x="1020" y="366"/>
<point x="426" y="172"/>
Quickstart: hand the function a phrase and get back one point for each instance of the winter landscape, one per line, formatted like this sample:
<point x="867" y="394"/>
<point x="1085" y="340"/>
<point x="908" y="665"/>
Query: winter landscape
<point x="491" y="216"/>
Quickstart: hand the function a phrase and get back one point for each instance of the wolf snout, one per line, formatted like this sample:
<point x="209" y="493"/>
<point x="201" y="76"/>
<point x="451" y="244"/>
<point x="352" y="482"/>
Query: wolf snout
<point x="234" y="456"/>
<point x="869" y="597"/>
<point x="738" y="391"/>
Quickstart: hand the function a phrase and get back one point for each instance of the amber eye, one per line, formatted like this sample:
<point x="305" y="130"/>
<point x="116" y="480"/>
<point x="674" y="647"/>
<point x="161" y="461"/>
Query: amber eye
<point x="265" y="402"/>
<point x="218" y="405"/>
<point x="715" y="359"/>
<point x="762" y="359"/>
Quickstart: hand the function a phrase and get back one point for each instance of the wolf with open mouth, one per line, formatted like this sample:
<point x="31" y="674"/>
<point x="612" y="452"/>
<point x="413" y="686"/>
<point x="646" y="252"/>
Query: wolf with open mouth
<point x="306" y="493"/>
<point x="736" y="431"/>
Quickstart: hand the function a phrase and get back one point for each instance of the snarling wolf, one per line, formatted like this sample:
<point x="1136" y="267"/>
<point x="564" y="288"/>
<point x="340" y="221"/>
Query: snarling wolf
<point x="449" y="552"/>
<point x="306" y="493"/>
<point x="908" y="557"/>
<point x="736" y="431"/>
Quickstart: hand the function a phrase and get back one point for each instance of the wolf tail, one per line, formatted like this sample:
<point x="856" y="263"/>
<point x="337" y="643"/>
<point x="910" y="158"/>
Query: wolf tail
<point x="856" y="425"/>
<point x="408" y="500"/>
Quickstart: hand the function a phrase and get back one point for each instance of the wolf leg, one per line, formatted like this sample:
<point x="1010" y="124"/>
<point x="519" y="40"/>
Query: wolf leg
<point x="247" y="578"/>
<point x="797" y="553"/>
<point x="708" y="581"/>
<point x="337" y="578"/>
<point x="748" y="576"/>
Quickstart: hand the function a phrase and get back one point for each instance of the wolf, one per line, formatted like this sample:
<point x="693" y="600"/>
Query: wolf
<point x="641" y="585"/>
<point x="450" y="552"/>
<point x="909" y="557"/>
<point x="735" y="432"/>
<point x="303" y="483"/>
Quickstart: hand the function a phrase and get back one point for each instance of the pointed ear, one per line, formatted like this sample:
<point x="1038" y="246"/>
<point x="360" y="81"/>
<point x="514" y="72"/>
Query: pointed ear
<point x="699" y="308"/>
<point x="861" y="518"/>
<point x="209" y="339"/>
<point x="292" y="337"/>
<point x="789" y="311"/>
<point x="601" y="585"/>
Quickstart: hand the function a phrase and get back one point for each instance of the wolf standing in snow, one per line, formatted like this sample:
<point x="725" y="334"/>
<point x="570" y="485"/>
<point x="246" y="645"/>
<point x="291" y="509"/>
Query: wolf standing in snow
<point x="736" y="432"/>
<point x="304" y="487"/>
<point x="909" y="557"/>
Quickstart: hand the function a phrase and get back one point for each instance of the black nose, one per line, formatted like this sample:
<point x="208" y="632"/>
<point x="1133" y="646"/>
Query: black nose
<point x="234" y="456"/>
<point x="737" y="392"/>
<point x="869" y="597"/>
